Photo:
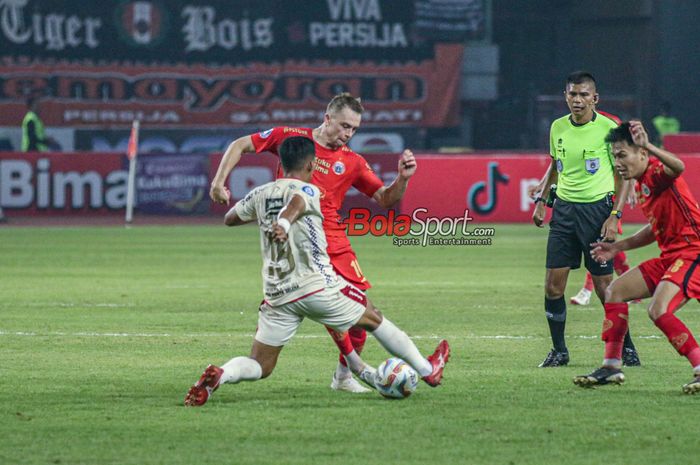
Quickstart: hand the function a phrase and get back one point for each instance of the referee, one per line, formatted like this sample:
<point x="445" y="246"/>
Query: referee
<point x="588" y="204"/>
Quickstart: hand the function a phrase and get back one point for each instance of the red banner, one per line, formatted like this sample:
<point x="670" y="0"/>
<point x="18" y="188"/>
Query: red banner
<point x="492" y="186"/>
<point x="422" y="93"/>
<point x="86" y="184"/>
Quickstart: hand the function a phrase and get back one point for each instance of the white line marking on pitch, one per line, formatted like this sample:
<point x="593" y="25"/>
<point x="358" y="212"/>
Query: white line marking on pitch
<point x="248" y="335"/>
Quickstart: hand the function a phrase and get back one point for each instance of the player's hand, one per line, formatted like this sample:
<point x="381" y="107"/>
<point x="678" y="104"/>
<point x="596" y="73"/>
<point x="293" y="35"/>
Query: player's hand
<point x="603" y="251"/>
<point x="609" y="230"/>
<point x="407" y="164"/>
<point x="639" y="134"/>
<point x="220" y="194"/>
<point x="278" y="234"/>
<point x="539" y="214"/>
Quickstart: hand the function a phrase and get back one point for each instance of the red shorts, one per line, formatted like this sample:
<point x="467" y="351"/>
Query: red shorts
<point x="345" y="264"/>
<point x="682" y="269"/>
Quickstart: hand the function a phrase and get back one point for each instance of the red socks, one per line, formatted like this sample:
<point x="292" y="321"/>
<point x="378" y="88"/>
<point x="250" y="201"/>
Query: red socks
<point x="680" y="337"/>
<point x="614" y="329"/>
<point x="354" y="339"/>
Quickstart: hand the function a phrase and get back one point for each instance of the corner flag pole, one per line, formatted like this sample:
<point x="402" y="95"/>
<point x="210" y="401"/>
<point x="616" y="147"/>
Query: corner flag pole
<point x="131" y="153"/>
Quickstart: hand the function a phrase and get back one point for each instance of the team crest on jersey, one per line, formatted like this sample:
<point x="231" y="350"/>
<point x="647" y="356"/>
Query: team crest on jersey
<point x="560" y="166"/>
<point x="265" y="134"/>
<point x="308" y="190"/>
<point x="592" y="165"/>
<point x="339" y="167"/>
<point x="646" y="192"/>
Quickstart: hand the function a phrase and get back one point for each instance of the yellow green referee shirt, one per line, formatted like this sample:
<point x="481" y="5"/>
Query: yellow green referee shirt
<point x="583" y="159"/>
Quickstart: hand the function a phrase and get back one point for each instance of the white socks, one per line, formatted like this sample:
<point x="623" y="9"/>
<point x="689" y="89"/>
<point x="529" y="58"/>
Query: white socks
<point x="241" y="369"/>
<point x="399" y="344"/>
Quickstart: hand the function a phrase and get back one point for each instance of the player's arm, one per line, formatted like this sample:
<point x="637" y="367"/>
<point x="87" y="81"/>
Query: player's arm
<point x="673" y="166"/>
<point x="605" y="251"/>
<point x="232" y="156"/>
<point x="387" y="196"/>
<point x="288" y="215"/>
<point x="542" y="192"/>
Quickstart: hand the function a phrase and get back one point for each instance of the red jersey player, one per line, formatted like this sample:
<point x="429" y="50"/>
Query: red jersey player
<point x="337" y="169"/>
<point x="671" y="279"/>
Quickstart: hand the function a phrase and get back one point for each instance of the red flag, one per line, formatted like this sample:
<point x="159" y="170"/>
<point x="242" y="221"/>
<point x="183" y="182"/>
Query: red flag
<point x="133" y="147"/>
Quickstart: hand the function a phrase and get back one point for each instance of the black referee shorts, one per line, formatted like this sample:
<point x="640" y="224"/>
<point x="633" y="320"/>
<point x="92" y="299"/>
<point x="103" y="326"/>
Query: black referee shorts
<point x="574" y="226"/>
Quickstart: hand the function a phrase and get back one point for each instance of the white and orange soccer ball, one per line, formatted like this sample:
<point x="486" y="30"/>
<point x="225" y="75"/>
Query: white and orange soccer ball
<point x="396" y="379"/>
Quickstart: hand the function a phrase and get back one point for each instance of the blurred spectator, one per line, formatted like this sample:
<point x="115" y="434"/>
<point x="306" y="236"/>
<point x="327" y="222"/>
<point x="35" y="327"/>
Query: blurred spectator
<point x="33" y="138"/>
<point x="664" y="124"/>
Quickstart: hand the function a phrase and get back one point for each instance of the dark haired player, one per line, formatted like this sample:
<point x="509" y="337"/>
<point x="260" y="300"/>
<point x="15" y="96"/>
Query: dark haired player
<point x="671" y="279"/>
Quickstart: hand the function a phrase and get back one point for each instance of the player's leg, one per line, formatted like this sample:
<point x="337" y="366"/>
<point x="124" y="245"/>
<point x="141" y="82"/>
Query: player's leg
<point x="563" y="254"/>
<point x="630" y="286"/>
<point x="350" y="363"/>
<point x="346" y="265"/>
<point x="555" y="311"/>
<point x="397" y="343"/>
<point x="667" y="299"/>
<point x="583" y="297"/>
<point x="276" y="326"/>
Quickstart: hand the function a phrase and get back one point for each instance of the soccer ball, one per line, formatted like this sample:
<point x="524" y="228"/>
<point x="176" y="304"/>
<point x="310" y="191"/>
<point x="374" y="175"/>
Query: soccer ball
<point x="396" y="379"/>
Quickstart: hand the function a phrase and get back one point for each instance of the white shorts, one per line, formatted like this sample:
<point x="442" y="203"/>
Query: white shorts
<point x="339" y="308"/>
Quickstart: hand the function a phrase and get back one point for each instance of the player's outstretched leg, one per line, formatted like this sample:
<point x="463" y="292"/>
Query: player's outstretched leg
<point x="260" y="364"/>
<point x="397" y="343"/>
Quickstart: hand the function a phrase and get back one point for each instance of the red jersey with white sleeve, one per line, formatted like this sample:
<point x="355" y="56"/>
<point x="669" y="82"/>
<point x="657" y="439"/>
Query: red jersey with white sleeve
<point x="335" y="173"/>
<point x="670" y="207"/>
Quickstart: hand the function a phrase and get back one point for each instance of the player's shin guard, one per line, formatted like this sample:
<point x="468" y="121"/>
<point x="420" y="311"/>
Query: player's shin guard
<point x="241" y="369"/>
<point x="615" y="327"/>
<point x="397" y="343"/>
<point x="620" y="263"/>
<point x="555" y="310"/>
<point x="680" y="337"/>
<point x="358" y="336"/>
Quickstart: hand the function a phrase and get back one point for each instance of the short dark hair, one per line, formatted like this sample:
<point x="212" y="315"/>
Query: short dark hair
<point x="579" y="77"/>
<point x="295" y="151"/>
<point x="345" y="100"/>
<point x="620" y="134"/>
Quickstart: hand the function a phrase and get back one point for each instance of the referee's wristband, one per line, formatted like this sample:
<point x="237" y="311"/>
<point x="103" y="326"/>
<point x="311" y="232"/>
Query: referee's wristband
<point x="538" y="200"/>
<point x="284" y="224"/>
<point x="616" y="213"/>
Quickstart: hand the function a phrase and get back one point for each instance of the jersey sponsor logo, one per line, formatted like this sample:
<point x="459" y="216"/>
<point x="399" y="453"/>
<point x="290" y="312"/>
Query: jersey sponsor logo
<point x="339" y="167"/>
<point x="265" y="134"/>
<point x="309" y="190"/>
<point x="303" y="132"/>
<point x="592" y="165"/>
<point x="273" y="206"/>
<point x="560" y="166"/>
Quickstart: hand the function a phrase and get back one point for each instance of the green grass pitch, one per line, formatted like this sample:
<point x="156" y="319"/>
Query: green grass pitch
<point x="103" y="330"/>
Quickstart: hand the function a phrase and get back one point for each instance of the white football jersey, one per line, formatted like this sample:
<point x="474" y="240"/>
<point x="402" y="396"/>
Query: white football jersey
<point x="299" y="266"/>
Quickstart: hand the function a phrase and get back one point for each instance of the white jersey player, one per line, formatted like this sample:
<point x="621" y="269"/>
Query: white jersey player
<point x="299" y="282"/>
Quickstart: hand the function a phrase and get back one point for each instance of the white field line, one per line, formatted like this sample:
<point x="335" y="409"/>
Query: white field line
<point x="250" y="335"/>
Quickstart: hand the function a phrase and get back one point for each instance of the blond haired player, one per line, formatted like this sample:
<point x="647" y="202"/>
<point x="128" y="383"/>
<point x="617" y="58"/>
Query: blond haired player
<point x="337" y="170"/>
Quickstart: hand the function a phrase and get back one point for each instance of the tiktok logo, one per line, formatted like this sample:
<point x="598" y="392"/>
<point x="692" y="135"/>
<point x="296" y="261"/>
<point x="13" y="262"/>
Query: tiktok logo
<point x="491" y="188"/>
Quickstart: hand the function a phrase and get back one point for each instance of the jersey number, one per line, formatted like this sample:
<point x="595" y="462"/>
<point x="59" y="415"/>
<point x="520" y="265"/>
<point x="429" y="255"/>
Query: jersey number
<point x="358" y="271"/>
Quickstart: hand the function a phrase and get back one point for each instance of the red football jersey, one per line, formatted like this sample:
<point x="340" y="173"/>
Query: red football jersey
<point x="336" y="171"/>
<point x="670" y="207"/>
